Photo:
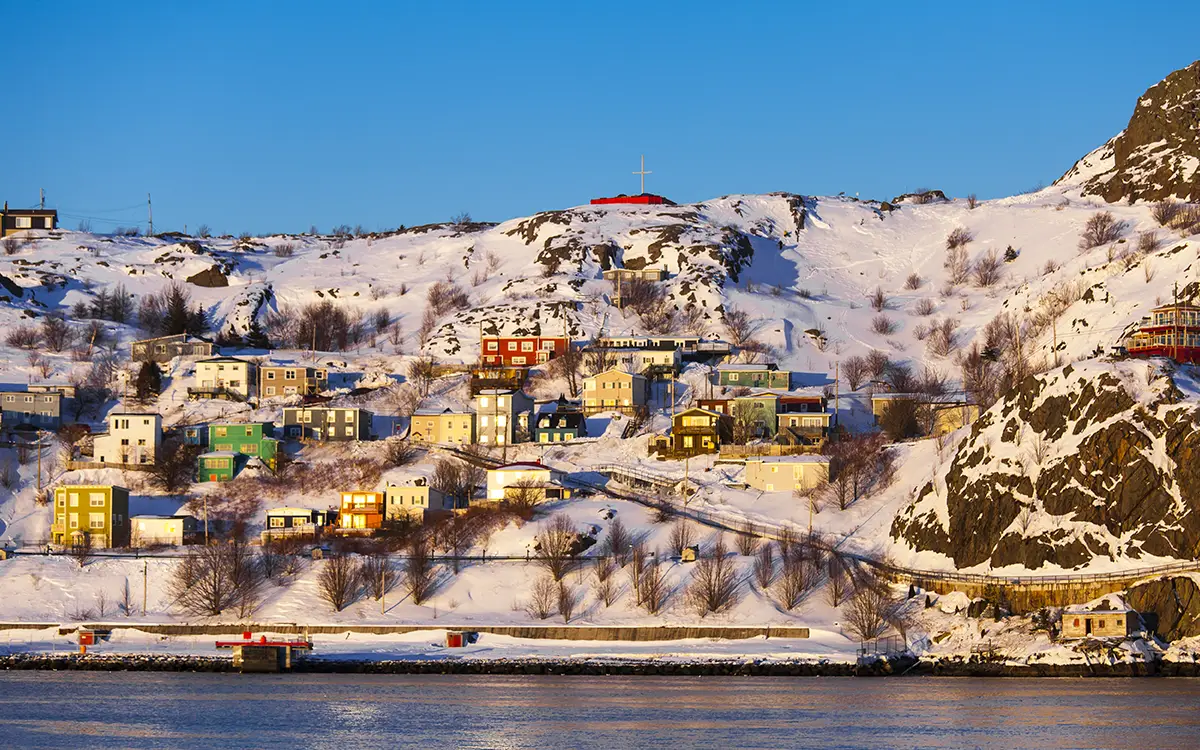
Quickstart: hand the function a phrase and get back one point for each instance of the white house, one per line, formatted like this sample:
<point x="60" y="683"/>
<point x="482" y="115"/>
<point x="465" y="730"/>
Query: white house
<point x="787" y="473"/>
<point x="503" y="480"/>
<point x="153" y="530"/>
<point x="414" y="499"/>
<point x="223" y="377"/>
<point x="132" y="438"/>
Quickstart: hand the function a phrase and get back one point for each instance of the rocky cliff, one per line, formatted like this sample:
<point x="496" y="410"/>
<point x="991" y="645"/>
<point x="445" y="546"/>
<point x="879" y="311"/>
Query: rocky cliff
<point x="1157" y="155"/>
<point x="1095" y="460"/>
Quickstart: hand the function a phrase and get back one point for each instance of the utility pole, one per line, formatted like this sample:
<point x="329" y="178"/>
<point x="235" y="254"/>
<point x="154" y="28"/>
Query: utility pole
<point x="39" y="468"/>
<point x="837" y="403"/>
<point x="42" y="201"/>
<point x="1054" y="330"/>
<point x="383" y="584"/>
<point x="149" y="216"/>
<point x="145" y="585"/>
<point x="206" y="520"/>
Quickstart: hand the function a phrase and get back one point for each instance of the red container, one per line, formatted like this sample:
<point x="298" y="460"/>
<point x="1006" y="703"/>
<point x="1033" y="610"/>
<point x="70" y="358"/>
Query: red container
<point x="87" y="638"/>
<point x="454" y="639"/>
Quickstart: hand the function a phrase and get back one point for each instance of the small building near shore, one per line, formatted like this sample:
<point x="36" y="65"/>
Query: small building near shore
<point x="1101" y="623"/>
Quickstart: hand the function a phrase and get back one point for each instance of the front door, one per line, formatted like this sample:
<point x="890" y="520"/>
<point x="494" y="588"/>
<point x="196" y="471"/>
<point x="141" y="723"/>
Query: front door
<point x="1087" y="625"/>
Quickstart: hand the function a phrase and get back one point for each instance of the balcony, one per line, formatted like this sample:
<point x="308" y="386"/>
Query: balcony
<point x="709" y="430"/>
<point x="214" y="392"/>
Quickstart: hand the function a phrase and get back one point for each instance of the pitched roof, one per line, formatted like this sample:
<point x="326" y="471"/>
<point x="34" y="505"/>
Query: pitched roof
<point x="522" y="466"/>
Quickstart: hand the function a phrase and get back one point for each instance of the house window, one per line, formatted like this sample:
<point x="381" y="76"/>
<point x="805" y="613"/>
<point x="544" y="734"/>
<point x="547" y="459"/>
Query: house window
<point x="1102" y="623"/>
<point x="518" y="360"/>
<point x="276" y="523"/>
<point x="96" y="501"/>
<point x="74" y="520"/>
<point x="349" y="431"/>
<point x="526" y="346"/>
<point x="221" y="431"/>
<point x="733" y="376"/>
<point x="491" y="346"/>
<point x="24" y="222"/>
<point x="95" y="520"/>
<point x="512" y="346"/>
<point x="289" y="374"/>
<point x="270" y="374"/>
<point x="74" y="499"/>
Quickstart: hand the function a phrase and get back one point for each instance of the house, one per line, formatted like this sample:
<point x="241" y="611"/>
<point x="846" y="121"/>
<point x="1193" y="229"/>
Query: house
<point x="252" y="439"/>
<point x="217" y="466"/>
<point x="690" y="347"/>
<point x="226" y="378"/>
<point x="360" y="512"/>
<point x="444" y="427"/>
<point x="301" y="522"/>
<point x="26" y="407"/>
<point x="97" y="513"/>
<point x="13" y="220"/>
<point x="1105" y="623"/>
<point x="511" y="480"/>
<point x="803" y="420"/>
<point x="66" y="389"/>
<point x="698" y="431"/>
<point x="615" y="390"/>
<point x="719" y="405"/>
<point x="196" y="434"/>
<point x="755" y="417"/>
<point x="753" y="376"/>
<point x="416" y="498"/>
<point x="166" y="348"/>
<point x="642" y="199"/>
<point x="502" y="417"/>
<point x="522" y="350"/>
<point x="291" y="380"/>
<point x="498" y="377"/>
<point x="150" y="531"/>
<point x="132" y="438"/>
<point x="564" y="423"/>
<point x="1169" y="331"/>
<point x="786" y="473"/>
<point x="941" y="414"/>
<point x="634" y="274"/>
<point x="651" y="361"/>
<point x="327" y="424"/>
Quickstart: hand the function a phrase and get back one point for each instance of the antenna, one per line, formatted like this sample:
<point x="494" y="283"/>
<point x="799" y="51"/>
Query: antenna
<point x="42" y="202"/>
<point x="149" y="216"/>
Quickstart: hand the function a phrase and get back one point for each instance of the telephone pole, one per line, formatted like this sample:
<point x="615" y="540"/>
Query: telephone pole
<point x="42" y="201"/>
<point x="145" y="585"/>
<point x="149" y="216"/>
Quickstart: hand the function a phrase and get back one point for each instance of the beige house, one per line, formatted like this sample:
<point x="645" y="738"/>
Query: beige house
<point x="149" y="531"/>
<point x="223" y="377"/>
<point x="132" y="438"/>
<point x="97" y="513"/>
<point x="414" y="499"/>
<point x="1110" y="623"/>
<point x="505" y="481"/>
<point x="944" y="414"/>
<point x="445" y="427"/>
<point x="502" y="417"/>
<point x="291" y="380"/>
<point x="614" y="390"/>
<point x="633" y="359"/>
<point x="787" y="473"/>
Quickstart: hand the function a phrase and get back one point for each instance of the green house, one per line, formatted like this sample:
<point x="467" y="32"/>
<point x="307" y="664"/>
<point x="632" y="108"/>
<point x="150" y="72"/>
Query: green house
<point x="255" y="439"/>
<point x="217" y="466"/>
<point x="753" y="376"/>
<point x="755" y="416"/>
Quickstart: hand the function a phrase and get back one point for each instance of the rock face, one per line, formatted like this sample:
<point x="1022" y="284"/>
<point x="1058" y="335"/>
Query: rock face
<point x="1157" y="155"/>
<point x="1093" y="460"/>
<point x="1174" y="600"/>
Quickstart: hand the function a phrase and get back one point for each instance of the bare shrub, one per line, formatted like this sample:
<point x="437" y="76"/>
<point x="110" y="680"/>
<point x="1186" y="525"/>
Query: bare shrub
<point x="285" y="250"/>
<point x="22" y="337"/>
<point x="80" y="549"/>
<point x="913" y="281"/>
<point x="604" y="585"/>
<point x="942" y="340"/>
<point x="747" y="542"/>
<point x="11" y="245"/>
<point x="837" y="582"/>
<point x="1148" y="272"/>
<point x="959" y="237"/>
<point x="420" y="372"/>
<point x="1050" y="267"/>
<point x="972" y="201"/>
<point x="1165" y="211"/>
<point x="1148" y="242"/>
<point x="856" y="371"/>
<point x="877" y="363"/>
<point x="741" y="326"/>
<point x="398" y="452"/>
<point x="878" y="300"/>
<point x="1188" y="220"/>
<point x="924" y="307"/>
<point x="795" y="581"/>
<point x="420" y="577"/>
<point x="555" y="542"/>
<point x="883" y="325"/>
<point x="1101" y="229"/>
<point x="543" y="597"/>
<point x="681" y="536"/>
<point x="618" y="542"/>
<point x="715" y="586"/>
<point x="958" y="265"/>
<point x="987" y="268"/>
<point x="338" y="583"/>
<point x="652" y="586"/>
<point x="445" y="297"/>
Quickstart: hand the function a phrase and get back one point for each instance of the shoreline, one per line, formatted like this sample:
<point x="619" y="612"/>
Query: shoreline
<point x="903" y="666"/>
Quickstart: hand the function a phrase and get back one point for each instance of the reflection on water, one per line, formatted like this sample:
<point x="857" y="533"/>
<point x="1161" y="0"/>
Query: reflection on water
<point x="136" y="710"/>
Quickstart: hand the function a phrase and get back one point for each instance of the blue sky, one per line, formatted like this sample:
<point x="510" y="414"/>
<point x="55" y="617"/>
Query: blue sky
<point x="276" y="117"/>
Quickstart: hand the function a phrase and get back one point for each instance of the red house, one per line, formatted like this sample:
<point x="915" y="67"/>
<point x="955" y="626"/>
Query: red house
<point x="645" y="199"/>
<point x="1169" y="331"/>
<point x="522" y="350"/>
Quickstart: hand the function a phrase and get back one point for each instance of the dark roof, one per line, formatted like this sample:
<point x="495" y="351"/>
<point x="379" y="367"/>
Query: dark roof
<point x="31" y="211"/>
<point x="559" y="420"/>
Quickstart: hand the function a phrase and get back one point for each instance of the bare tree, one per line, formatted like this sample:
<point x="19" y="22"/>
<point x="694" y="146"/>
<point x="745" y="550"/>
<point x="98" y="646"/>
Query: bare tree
<point x="958" y="237"/>
<point x="855" y="370"/>
<point x="652" y="586"/>
<point x="786" y="540"/>
<point x="555" y="542"/>
<point x="747" y="542"/>
<point x="838" y="580"/>
<point x="741" y="326"/>
<point x="958" y="264"/>
<point x="618" y="542"/>
<point x="987" y="268"/>
<point x="1101" y="229"/>
<point x="125" y="603"/>
<point x="81" y="548"/>
<point x="377" y="573"/>
<point x="567" y="599"/>
<point x="212" y="579"/>
<point x="764" y="566"/>
<point x="543" y="597"/>
<point x="56" y="334"/>
<point x="339" y="583"/>
<point x="420" y="577"/>
<point x="794" y="583"/>
<point x="420" y="373"/>
<point x="568" y="366"/>
<point x="174" y="466"/>
<point x="715" y="586"/>
<point x="457" y="534"/>
<point x="399" y="452"/>
<point x="868" y="612"/>
<point x="681" y="536"/>
<point x="604" y="586"/>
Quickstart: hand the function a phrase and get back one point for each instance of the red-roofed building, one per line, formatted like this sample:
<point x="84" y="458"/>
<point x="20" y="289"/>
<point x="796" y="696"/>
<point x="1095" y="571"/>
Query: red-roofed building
<point x="1169" y="331"/>
<point x="645" y="199"/>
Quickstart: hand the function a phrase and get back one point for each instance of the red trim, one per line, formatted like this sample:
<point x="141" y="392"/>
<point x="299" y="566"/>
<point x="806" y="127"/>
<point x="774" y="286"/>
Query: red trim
<point x="645" y="199"/>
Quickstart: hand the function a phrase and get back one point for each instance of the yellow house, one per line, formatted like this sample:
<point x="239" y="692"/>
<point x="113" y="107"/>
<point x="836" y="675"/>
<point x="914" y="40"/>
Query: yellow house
<point x="95" y="512"/>
<point x="511" y="479"/>
<point x="1113" y="623"/>
<point x="786" y="473"/>
<point x="614" y="390"/>
<point x="446" y="427"/>
<point x="946" y="413"/>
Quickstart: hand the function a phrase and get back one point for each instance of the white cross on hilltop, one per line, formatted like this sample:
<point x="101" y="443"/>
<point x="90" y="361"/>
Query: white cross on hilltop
<point x="643" y="173"/>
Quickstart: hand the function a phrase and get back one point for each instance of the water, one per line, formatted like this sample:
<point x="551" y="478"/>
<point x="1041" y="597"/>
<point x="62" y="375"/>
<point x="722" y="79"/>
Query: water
<point x="152" y="710"/>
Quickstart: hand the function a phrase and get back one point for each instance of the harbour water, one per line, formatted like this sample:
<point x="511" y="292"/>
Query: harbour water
<point x="153" y="710"/>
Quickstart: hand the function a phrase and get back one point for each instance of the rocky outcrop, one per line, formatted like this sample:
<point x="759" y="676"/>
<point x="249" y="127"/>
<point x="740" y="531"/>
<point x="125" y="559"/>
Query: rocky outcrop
<point x="209" y="277"/>
<point x="1157" y="155"/>
<point x="1175" y="602"/>
<point x="1094" y="460"/>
